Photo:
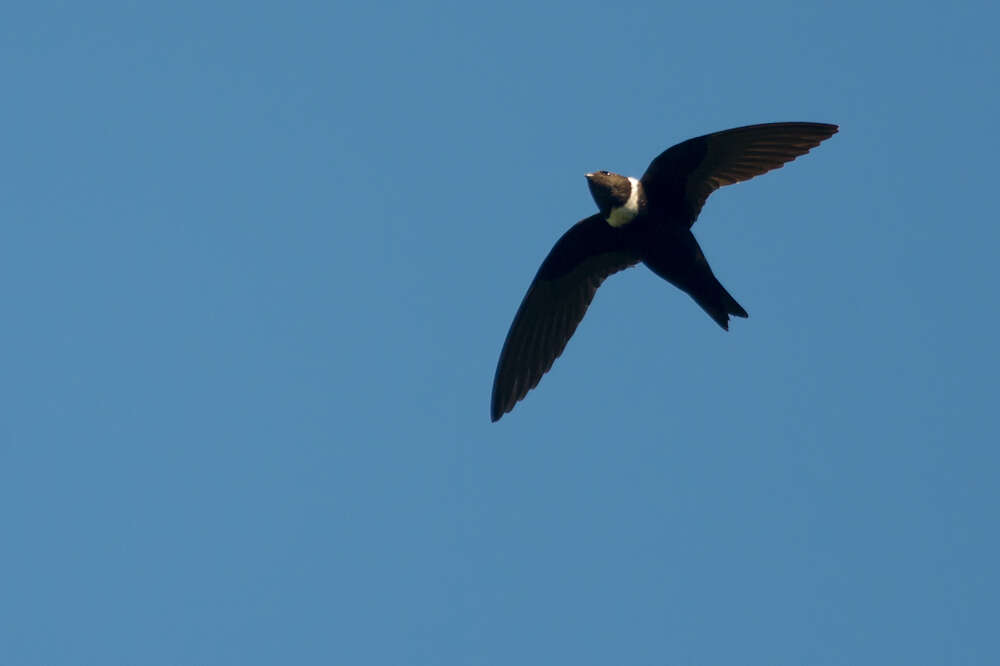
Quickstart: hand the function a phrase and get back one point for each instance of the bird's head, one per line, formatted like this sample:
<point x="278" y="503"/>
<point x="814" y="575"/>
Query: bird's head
<point x="619" y="198"/>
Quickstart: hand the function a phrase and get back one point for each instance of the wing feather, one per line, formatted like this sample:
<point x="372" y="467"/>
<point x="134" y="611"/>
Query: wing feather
<point x="680" y="179"/>
<point x="554" y="305"/>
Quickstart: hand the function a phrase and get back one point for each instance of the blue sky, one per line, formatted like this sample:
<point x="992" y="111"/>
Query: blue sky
<point x="258" y="261"/>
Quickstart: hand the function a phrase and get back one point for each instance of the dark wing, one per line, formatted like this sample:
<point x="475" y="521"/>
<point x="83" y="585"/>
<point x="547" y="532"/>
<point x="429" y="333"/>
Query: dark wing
<point x="678" y="182"/>
<point x="555" y="303"/>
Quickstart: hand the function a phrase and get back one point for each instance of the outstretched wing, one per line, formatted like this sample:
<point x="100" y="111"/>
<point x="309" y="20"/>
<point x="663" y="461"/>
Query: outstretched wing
<point x="678" y="182"/>
<point x="554" y="305"/>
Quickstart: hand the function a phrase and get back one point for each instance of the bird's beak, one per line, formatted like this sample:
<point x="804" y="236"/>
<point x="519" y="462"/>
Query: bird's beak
<point x="589" y="176"/>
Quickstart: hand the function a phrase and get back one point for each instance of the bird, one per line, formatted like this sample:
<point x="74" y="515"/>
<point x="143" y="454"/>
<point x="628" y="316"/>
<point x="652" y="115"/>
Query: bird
<point x="646" y="219"/>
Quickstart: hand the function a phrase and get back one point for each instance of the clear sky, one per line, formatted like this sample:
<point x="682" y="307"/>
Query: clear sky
<point x="257" y="261"/>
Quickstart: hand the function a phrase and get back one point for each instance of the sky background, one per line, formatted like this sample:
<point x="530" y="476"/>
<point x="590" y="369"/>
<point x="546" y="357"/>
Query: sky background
<point x="257" y="262"/>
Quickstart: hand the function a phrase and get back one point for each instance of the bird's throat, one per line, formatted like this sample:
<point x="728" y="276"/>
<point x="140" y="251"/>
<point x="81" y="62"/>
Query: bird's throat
<point x="622" y="215"/>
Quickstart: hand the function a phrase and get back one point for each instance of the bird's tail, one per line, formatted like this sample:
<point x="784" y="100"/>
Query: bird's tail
<point x="720" y="304"/>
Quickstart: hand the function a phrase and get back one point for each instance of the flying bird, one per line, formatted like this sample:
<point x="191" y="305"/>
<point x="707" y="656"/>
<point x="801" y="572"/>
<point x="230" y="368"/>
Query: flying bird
<point x="647" y="219"/>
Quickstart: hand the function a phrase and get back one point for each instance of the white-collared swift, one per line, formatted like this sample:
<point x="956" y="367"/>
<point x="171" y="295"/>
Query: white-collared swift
<point x="644" y="219"/>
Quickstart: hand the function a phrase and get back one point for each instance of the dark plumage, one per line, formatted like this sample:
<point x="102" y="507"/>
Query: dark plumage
<point x="647" y="220"/>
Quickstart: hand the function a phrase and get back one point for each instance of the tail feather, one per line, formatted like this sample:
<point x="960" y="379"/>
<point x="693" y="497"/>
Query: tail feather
<point x="677" y="258"/>
<point x="719" y="305"/>
<point x="734" y="308"/>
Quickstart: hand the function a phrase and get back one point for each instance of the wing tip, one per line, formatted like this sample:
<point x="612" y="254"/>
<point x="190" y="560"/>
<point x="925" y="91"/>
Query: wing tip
<point x="499" y="405"/>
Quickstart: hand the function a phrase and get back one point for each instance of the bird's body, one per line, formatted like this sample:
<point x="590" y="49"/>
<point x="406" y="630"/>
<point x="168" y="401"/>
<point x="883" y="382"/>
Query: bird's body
<point x="647" y="220"/>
